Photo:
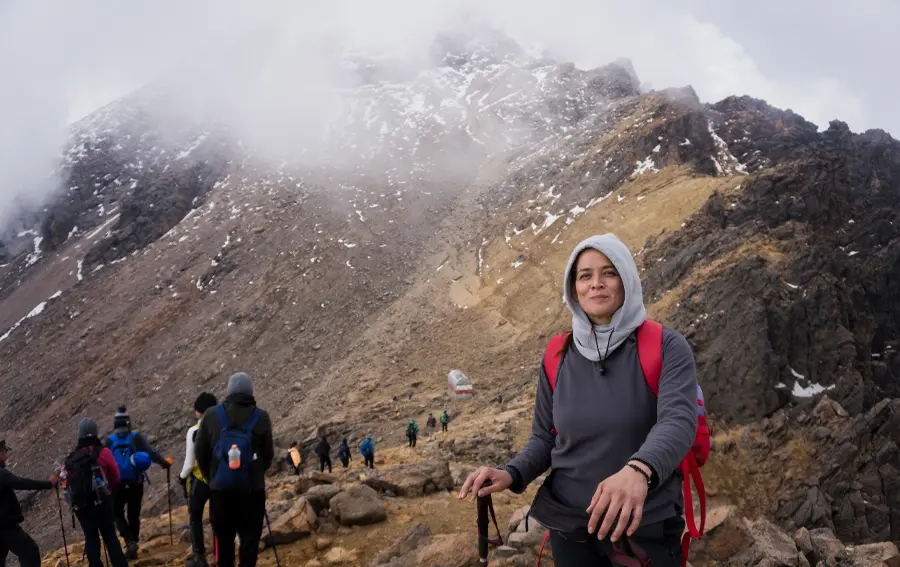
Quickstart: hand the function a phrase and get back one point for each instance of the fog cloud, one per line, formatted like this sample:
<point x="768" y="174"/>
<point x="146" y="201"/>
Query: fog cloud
<point x="273" y="67"/>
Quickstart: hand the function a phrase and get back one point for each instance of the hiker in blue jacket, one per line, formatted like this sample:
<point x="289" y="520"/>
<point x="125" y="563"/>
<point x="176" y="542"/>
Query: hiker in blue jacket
<point x="613" y="447"/>
<point x="130" y="450"/>
<point x="367" y="450"/>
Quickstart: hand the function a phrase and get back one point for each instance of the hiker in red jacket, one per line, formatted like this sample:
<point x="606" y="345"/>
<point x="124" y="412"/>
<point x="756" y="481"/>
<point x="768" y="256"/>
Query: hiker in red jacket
<point x="91" y="477"/>
<point x="613" y="447"/>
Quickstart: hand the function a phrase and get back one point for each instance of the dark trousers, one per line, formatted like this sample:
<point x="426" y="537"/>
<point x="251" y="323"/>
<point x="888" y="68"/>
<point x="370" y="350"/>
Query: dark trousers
<point x="98" y="522"/>
<point x="13" y="539"/>
<point x="128" y="497"/>
<point x="198" y="499"/>
<point x="323" y="462"/>
<point x="370" y="461"/>
<point x="412" y="440"/>
<point x="443" y="427"/>
<point x="345" y="461"/>
<point x="660" y="541"/>
<point x="237" y="513"/>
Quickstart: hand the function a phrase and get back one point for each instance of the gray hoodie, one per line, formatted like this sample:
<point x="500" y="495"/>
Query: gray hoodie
<point x="605" y="420"/>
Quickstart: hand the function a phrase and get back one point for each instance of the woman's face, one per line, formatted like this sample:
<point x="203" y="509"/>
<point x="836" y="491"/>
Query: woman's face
<point x="598" y="286"/>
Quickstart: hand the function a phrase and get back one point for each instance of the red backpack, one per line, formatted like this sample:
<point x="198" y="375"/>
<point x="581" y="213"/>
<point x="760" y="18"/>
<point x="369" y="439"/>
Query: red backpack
<point x="649" y="339"/>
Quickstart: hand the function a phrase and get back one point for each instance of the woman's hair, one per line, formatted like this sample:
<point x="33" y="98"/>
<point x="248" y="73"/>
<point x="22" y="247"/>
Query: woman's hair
<point x="573" y="275"/>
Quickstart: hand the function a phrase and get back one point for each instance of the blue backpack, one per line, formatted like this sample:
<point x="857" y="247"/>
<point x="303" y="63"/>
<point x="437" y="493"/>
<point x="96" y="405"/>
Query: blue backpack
<point x="367" y="449"/>
<point x="242" y="436"/>
<point x="122" y="449"/>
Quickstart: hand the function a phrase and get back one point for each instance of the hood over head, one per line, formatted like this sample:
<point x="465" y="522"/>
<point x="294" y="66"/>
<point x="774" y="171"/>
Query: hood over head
<point x="240" y="383"/>
<point x="87" y="427"/>
<point x="587" y="336"/>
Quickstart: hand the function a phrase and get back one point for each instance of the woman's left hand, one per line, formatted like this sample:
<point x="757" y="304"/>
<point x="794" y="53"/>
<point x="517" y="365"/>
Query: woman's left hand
<point x="623" y="495"/>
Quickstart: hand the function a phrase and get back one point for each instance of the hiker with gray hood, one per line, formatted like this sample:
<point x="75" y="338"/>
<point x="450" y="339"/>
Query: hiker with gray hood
<point x="234" y="449"/>
<point x="613" y="447"/>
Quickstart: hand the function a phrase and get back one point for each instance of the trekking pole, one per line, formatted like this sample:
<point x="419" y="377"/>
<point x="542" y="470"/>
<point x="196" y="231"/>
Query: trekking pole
<point x="169" y="498"/>
<point x="485" y="508"/>
<point x="62" y="525"/>
<point x="272" y="538"/>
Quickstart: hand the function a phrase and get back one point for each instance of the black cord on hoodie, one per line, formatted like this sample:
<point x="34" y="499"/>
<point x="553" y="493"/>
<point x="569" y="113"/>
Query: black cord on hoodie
<point x="597" y="345"/>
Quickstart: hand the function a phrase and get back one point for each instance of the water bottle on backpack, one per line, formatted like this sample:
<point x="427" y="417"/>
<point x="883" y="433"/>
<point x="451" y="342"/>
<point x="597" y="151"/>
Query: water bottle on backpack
<point x="234" y="458"/>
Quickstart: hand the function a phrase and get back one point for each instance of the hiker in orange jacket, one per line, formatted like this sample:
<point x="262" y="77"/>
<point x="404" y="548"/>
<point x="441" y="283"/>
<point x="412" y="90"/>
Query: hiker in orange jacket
<point x="613" y="446"/>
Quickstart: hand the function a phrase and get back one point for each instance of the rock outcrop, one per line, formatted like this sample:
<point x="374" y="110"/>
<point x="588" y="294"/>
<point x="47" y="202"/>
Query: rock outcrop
<point x="358" y="505"/>
<point x="784" y="288"/>
<point x="413" y="480"/>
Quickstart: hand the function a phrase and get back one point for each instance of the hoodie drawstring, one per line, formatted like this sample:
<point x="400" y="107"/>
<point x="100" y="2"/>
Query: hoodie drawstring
<point x="597" y="345"/>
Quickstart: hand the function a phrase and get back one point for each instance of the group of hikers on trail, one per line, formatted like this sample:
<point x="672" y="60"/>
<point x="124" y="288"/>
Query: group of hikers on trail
<point x="323" y="453"/>
<point x="619" y="420"/>
<point x="103" y="486"/>
<point x="412" y="428"/>
<point x="228" y="450"/>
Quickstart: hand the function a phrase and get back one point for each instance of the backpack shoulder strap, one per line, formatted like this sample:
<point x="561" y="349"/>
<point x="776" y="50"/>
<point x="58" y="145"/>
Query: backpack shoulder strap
<point x="252" y="420"/>
<point x="553" y="356"/>
<point x="222" y="416"/>
<point x="649" y="339"/>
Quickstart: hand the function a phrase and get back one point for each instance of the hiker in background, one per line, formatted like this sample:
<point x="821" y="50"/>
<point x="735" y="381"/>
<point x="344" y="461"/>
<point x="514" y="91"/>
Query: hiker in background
<point x="323" y="453"/>
<point x="499" y="398"/>
<point x="409" y="396"/>
<point x="195" y="485"/>
<point x="431" y="423"/>
<point x="599" y="421"/>
<point x="445" y="419"/>
<point x="91" y="478"/>
<point x="343" y="453"/>
<point x="128" y="495"/>
<point x="412" y="431"/>
<point x="367" y="450"/>
<point x="13" y="538"/>
<point x="294" y="460"/>
<point x="234" y="449"/>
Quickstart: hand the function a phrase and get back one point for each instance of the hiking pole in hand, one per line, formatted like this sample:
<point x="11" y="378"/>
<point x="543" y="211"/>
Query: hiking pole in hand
<point x="62" y="525"/>
<point x="485" y="507"/>
<point x="272" y="538"/>
<point x="169" y="498"/>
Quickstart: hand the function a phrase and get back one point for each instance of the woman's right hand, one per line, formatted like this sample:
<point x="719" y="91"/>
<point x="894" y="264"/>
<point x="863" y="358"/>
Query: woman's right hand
<point x="475" y="483"/>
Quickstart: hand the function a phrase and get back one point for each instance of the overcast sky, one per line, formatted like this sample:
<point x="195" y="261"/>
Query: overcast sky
<point x="60" y="60"/>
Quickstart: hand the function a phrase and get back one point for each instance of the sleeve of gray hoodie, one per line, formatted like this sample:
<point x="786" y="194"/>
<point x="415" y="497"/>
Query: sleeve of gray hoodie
<point x="534" y="459"/>
<point x="676" y="409"/>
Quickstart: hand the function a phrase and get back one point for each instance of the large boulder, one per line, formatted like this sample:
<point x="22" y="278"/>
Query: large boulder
<point x="867" y="555"/>
<point x="298" y="522"/>
<point x="419" y="547"/>
<point x="358" y="505"/>
<point x="311" y="479"/>
<point x="455" y="550"/>
<point x="418" y="535"/>
<point x="495" y="448"/>
<point x="413" y="480"/>
<point x="320" y="496"/>
<point x="742" y="543"/>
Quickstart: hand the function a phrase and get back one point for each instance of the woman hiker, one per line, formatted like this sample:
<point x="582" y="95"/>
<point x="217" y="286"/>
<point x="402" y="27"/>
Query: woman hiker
<point x="612" y="445"/>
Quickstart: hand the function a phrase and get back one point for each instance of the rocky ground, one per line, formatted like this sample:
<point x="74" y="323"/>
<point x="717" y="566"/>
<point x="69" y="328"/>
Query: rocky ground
<point x="405" y="513"/>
